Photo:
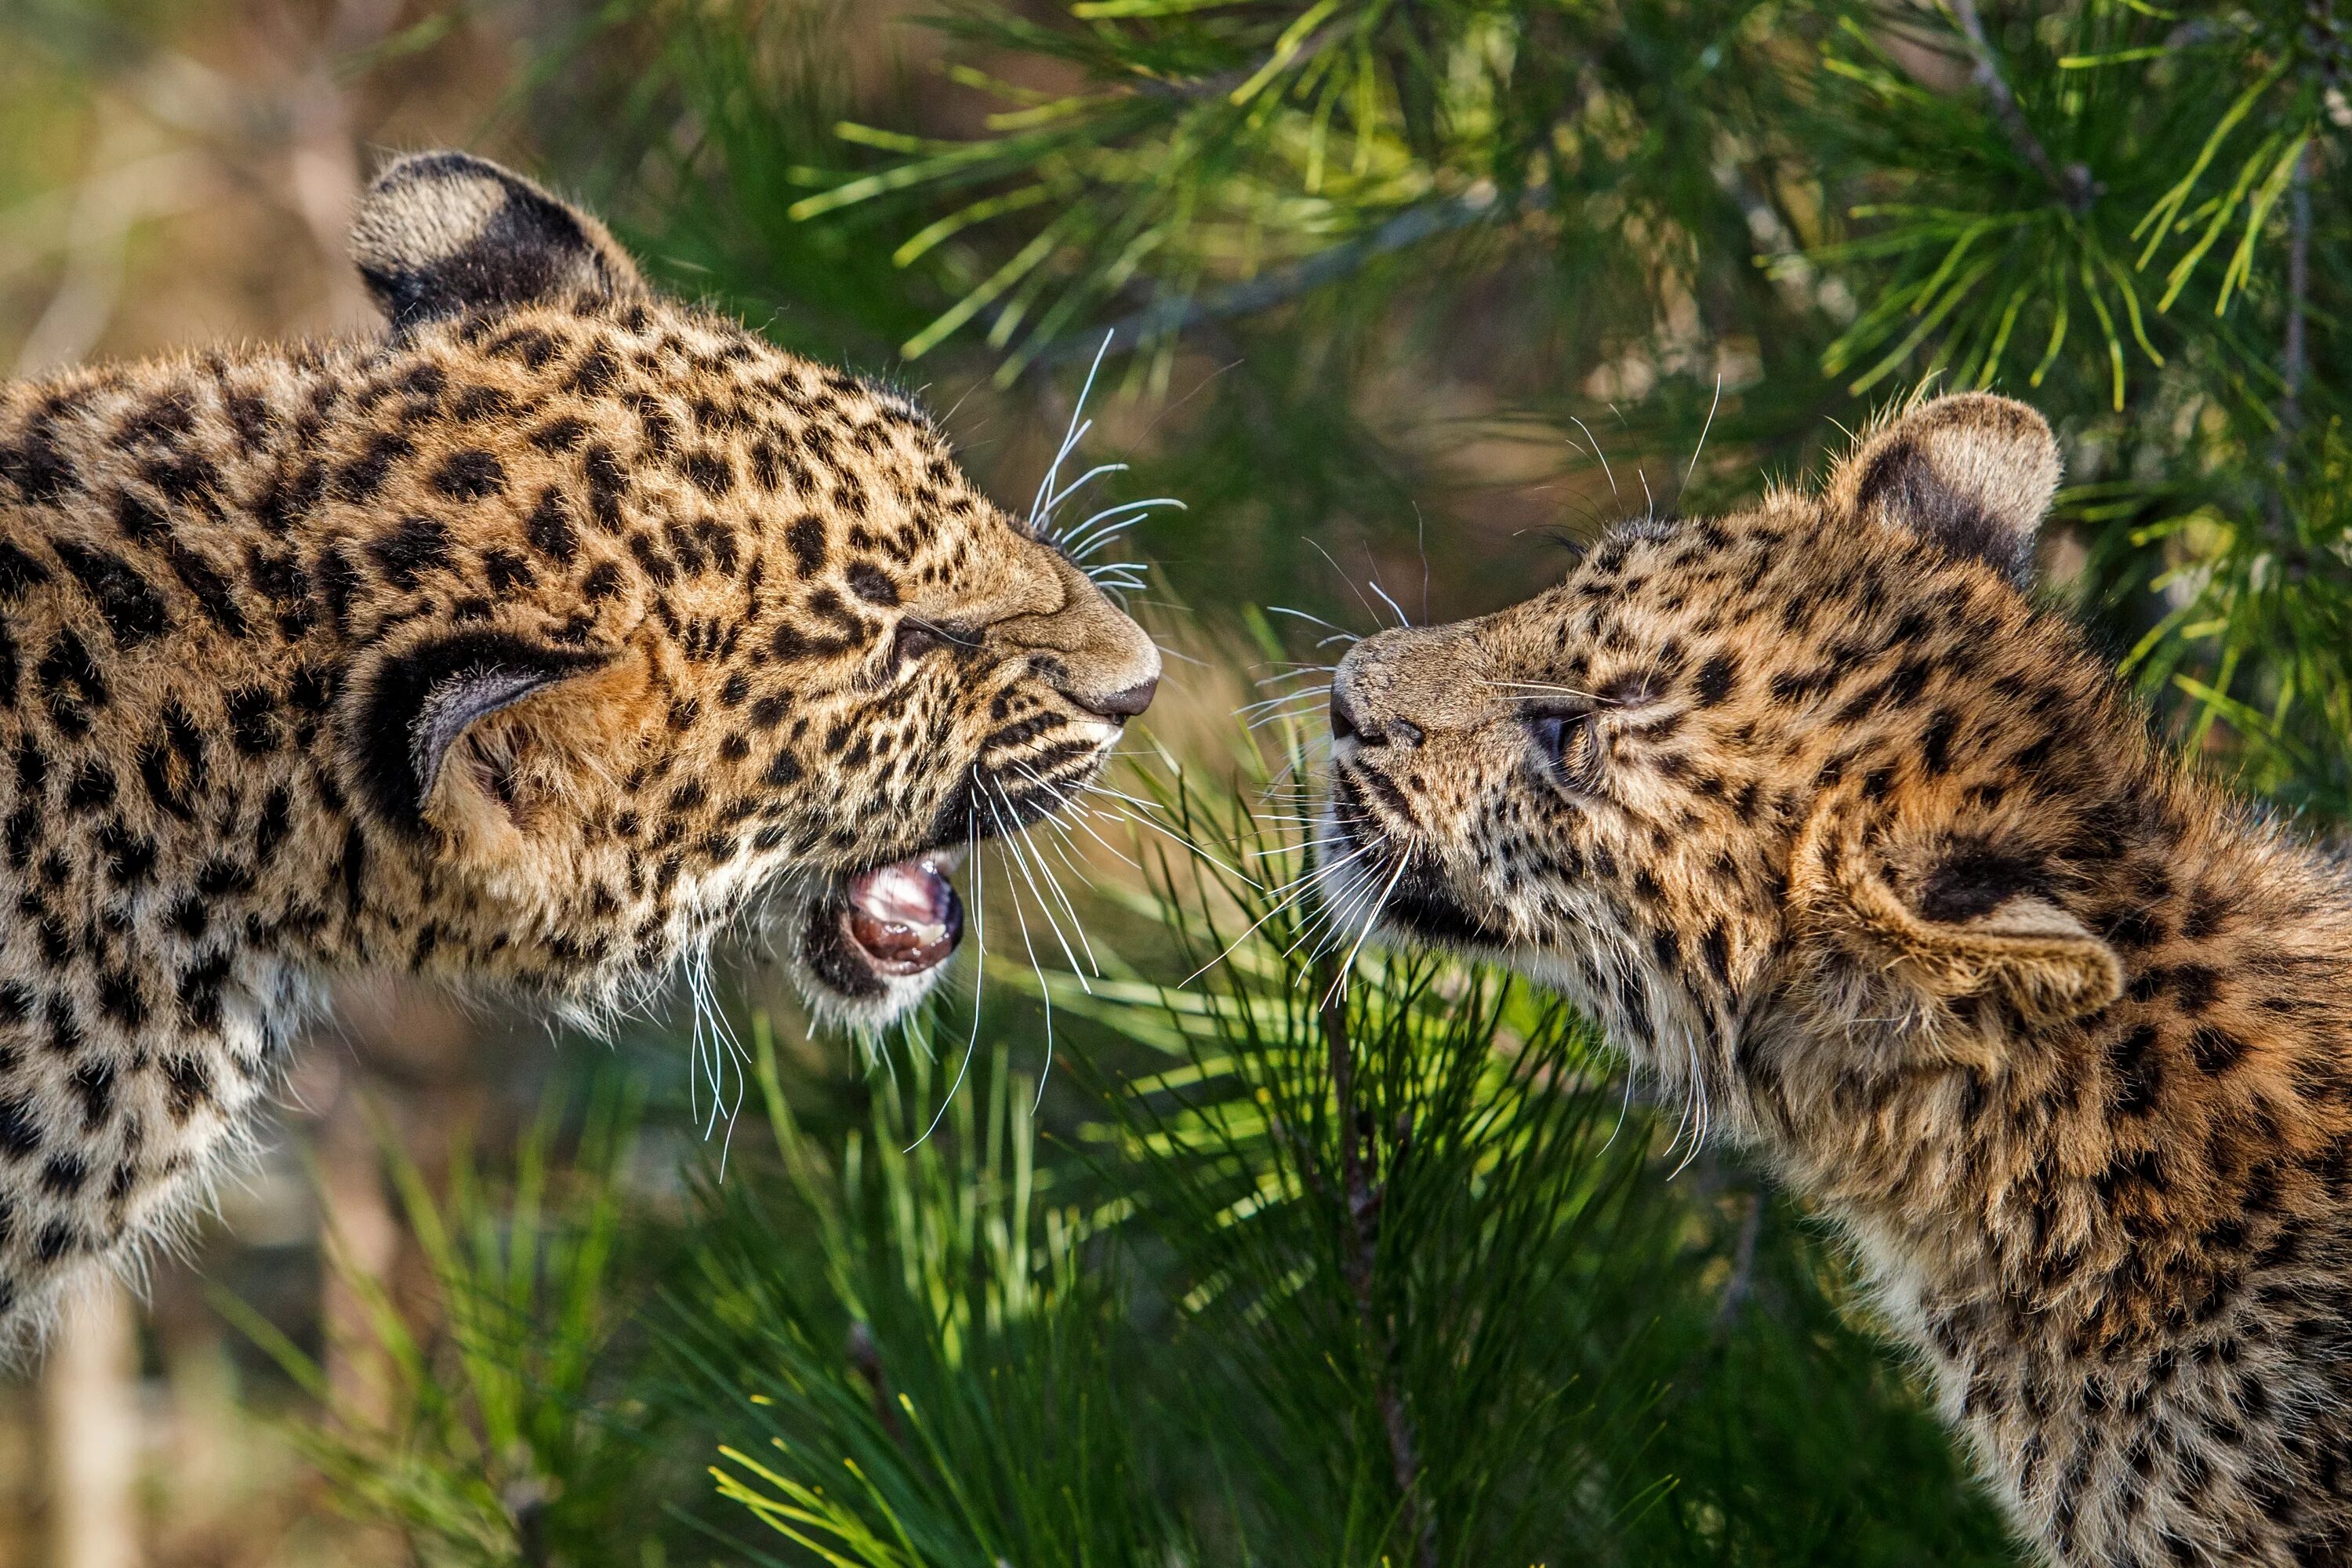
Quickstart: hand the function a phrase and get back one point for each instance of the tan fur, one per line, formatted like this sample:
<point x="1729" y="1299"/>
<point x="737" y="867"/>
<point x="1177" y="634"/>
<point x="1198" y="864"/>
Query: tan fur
<point x="1873" y="864"/>
<point x="535" y="643"/>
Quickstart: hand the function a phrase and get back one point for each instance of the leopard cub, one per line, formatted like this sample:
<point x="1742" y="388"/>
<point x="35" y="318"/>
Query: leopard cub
<point x="1875" y="865"/>
<point x="534" y="641"/>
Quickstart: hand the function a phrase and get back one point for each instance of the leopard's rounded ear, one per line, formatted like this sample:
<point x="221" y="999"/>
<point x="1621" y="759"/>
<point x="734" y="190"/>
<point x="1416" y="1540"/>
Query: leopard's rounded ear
<point x="1945" y="918"/>
<point x="1972" y="473"/>
<point x="441" y="233"/>
<point x="411" y="710"/>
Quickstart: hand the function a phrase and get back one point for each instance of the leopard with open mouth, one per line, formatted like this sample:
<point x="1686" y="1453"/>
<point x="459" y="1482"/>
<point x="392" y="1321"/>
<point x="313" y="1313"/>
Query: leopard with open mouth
<point x="535" y="641"/>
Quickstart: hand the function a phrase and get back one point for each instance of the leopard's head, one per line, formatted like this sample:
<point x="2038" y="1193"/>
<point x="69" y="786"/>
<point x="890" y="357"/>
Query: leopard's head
<point x="1743" y="785"/>
<point x="655" y="625"/>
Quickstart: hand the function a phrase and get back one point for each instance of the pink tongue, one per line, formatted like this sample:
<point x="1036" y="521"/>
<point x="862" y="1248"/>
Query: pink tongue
<point x="907" y="917"/>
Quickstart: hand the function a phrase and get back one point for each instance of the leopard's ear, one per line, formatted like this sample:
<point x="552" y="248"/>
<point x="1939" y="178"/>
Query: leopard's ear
<point x="441" y="233"/>
<point x="1973" y="473"/>
<point x="1945" y="918"/>
<point x="416" y="705"/>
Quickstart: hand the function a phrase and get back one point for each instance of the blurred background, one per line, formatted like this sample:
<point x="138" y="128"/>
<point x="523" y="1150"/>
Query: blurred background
<point x="1401" y="301"/>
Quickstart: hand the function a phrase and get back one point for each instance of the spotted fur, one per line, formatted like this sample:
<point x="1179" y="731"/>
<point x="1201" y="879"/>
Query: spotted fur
<point x="533" y="643"/>
<point x="1872" y="866"/>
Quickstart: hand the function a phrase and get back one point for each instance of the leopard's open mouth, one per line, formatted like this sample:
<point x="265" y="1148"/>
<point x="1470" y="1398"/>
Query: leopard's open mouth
<point x="874" y="936"/>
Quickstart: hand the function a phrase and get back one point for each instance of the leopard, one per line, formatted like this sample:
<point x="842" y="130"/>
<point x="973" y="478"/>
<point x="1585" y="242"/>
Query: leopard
<point x="532" y="642"/>
<point x="1856" y="846"/>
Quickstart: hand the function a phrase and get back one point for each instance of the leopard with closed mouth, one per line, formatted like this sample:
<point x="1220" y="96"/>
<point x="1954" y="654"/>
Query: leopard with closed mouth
<point x="534" y="642"/>
<point x="1871" y="863"/>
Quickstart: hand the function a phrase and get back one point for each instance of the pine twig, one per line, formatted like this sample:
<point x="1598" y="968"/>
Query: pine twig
<point x="1167" y="318"/>
<point x="1360" y="1192"/>
<point x="2073" y="184"/>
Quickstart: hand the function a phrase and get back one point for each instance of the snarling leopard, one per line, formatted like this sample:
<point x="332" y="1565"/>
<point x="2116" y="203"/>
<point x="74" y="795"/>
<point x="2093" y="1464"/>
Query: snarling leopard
<point x="533" y="641"/>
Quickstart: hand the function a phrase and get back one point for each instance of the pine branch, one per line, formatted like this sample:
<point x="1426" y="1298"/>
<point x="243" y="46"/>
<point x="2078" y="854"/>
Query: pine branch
<point x="2073" y="184"/>
<point x="1360" y="1244"/>
<point x="1167" y="318"/>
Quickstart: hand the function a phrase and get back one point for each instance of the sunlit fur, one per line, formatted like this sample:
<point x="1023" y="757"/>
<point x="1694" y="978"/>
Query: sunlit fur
<point x="532" y="643"/>
<point x="1871" y="866"/>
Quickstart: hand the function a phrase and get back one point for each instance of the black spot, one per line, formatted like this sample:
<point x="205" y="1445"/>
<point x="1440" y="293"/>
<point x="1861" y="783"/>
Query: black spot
<point x="1717" y="677"/>
<point x="71" y="684"/>
<point x="708" y="472"/>
<point x="220" y="877"/>
<point x="805" y="537"/>
<point x="200" y="986"/>
<point x="608" y="484"/>
<point x="602" y="582"/>
<point x="470" y="475"/>
<point x="550" y="529"/>
<point x="293" y="494"/>
<point x="1974" y="882"/>
<point x="133" y="609"/>
<point x="253" y="725"/>
<point x="341" y="579"/>
<point x="2138" y="1074"/>
<point x="189" y="1085"/>
<point x="20" y="1128"/>
<point x="417" y="545"/>
<point x="65" y="1175"/>
<point x="18" y="572"/>
<point x="91" y="789"/>
<point x="1936" y="745"/>
<point x="208" y="586"/>
<point x="2215" y="1050"/>
<point x="658" y="566"/>
<point x="358" y="480"/>
<point x="94" y="1082"/>
<point x="2196" y="984"/>
<point x="561" y="434"/>
<point x="277" y="820"/>
<point x="873" y="584"/>
<point x="38" y="470"/>
<point x="119" y="999"/>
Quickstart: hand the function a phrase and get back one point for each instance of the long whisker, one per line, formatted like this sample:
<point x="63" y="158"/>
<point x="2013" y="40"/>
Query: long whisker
<point x="1703" y="430"/>
<point x="1069" y="441"/>
<point x="1372" y="919"/>
<point x="1547" y="686"/>
<point x="1016" y="840"/>
<point x="1598" y="452"/>
<point x="980" y="959"/>
<point x="1044" y="993"/>
<point x="1342" y="631"/>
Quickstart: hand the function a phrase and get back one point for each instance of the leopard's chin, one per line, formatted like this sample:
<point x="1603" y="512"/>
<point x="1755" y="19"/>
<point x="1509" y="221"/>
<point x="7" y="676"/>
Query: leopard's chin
<point x="873" y="943"/>
<point x="1365" y="871"/>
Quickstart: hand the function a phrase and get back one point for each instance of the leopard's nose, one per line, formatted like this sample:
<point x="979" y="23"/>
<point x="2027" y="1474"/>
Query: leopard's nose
<point x="1348" y="723"/>
<point x="1344" y="725"/>
<point x="1124" y="704"/>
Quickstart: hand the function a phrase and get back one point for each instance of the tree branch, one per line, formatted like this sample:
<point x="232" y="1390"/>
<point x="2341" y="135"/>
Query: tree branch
<point x="1165" y="318"/>
<point x="1361" y="1194"/>
<point x="2073" y="184"/>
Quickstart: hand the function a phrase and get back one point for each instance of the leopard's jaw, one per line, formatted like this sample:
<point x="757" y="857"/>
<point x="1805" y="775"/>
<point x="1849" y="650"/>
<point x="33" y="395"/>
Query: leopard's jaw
<point x="539" y="643"/>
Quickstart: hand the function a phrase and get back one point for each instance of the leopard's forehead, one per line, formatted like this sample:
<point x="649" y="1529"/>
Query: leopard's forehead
<point x="712" y="415"/>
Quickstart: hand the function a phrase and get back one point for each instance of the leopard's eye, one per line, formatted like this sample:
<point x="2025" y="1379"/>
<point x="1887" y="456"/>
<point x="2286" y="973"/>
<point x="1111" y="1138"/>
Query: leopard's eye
<point x="1569" y="746"/>
<point x="914" y="639"/>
